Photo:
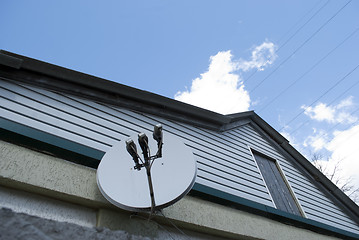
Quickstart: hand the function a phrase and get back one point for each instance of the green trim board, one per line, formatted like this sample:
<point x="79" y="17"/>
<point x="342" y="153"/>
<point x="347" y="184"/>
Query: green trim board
<point x="41" y="141"/>
<point x="240" y="203"/>
<point x="38" y="140"/>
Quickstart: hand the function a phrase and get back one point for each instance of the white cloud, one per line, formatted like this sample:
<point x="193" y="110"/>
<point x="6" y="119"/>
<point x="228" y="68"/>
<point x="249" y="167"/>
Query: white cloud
<point x="262" y="56"/>
<point x="343" y="155"/>
<point x="218" y="89"/>
<point x="344" y="148"/>
<point x="332" y="114"/>
<point x="320" y="112"/>
<point x="221" y="89"/>
<point x="348" y="102"/>
<point x="317" y="142"/>
<point x="340" y="147"/>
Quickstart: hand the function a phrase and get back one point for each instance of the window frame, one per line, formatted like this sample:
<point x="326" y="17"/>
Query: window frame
<point x="281" y="172"/>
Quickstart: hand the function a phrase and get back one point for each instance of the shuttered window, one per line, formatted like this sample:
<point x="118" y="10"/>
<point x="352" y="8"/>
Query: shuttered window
<point x="277" y="187"/>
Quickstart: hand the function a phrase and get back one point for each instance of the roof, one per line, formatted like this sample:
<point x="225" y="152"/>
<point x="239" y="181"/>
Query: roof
<point x="42" y="74"/>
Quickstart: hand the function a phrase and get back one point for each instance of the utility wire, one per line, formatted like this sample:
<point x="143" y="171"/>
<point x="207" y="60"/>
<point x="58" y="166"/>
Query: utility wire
<point x="350" y="154"/>
<point x="347" y="139"/>
<point x="325" y="4"/>
<point x="151" y="220"/>
<point x="327" y="91"/>
<point x="328" y="130"/>
<point x="174" y="225"/>
<point x="352" y="125"/>
<point x="349" y="88"/>
<point x="302" y="45"/>
<point x="300" y="19"/>
<point x="309" y="70"/>
<point x="256" y="70"/>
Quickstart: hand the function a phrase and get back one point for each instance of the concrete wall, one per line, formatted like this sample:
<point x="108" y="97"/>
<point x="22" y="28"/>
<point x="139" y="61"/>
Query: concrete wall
<point x="54" y="189"/>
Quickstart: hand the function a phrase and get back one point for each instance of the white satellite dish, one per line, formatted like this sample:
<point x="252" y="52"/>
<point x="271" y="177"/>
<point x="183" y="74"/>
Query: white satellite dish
<point x="173" y="175"/>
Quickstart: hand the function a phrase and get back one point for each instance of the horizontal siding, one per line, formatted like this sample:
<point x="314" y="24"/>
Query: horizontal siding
<point x="323" y="218"/>
<point x="230" y="181"/>
<point x="100" y="126"/>
<point x="308" y="193"/>
<point x="207" y="152"/>
<point x="314" y="206"/>
<point x="209" y="182"/>
<point x="44" y="111"/>
<point x="224" y="160"/>
<point x="50" y="128"/>
<point x="290" y="171"/>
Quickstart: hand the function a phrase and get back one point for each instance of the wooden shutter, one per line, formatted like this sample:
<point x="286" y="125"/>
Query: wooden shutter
<point x="277" y="187"/>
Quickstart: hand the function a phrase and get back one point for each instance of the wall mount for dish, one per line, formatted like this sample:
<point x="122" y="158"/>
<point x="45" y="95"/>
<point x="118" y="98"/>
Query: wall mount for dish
<point x="127" y="183"/>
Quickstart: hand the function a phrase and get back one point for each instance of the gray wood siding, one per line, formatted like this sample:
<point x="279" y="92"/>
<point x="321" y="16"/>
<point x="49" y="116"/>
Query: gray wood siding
<point x="224" y="159"/>
<point x="316" y="205"/>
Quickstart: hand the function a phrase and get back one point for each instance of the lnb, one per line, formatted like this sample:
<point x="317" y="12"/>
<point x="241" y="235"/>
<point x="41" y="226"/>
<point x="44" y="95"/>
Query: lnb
<point x="157" y="133"/>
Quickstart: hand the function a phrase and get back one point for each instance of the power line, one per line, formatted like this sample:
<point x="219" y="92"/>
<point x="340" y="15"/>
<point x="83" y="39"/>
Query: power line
<point x="328" y="130"/>
<point x="254" y="72"/>
<point x="351" y="125"/>
<point x="309" y="70"/>
<point x="302" y="45"/>
<point x="327" y="91"/>
<point x="174" y="225"/>
<point x="296" y="32"/>
<point x="151" y="220"/>
<point x="348" y="155"/>
<point x="325" y="4"/>
<point x="349" y="88"/>
<point x="300" y="19"/>
<point x="347" y="139"/>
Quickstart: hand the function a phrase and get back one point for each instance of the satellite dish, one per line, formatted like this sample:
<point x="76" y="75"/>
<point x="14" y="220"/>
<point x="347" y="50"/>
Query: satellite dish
<point x="173" y="175"/>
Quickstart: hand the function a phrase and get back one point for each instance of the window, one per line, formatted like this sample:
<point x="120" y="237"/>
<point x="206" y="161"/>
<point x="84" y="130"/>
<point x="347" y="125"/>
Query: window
<point x="281" y="195"/>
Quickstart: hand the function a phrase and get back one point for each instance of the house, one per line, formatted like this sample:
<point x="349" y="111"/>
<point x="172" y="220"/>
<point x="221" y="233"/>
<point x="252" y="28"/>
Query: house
<point x="56" y="125"/>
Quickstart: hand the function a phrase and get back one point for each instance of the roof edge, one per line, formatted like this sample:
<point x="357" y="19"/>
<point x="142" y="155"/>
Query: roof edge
<point x="93" y="85"/>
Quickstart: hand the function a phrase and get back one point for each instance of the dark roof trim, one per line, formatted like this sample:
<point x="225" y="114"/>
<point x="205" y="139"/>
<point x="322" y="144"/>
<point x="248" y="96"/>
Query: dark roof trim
<point x="35" y="72"/>
<point x="10" y="61"/>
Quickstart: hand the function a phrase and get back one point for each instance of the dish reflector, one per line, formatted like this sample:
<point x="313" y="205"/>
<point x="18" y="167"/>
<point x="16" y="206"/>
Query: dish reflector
<point x="173" y="175"/>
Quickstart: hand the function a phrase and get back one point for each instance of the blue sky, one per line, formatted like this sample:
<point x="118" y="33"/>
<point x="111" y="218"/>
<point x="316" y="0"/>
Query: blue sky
<point x="242" y="54"/>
